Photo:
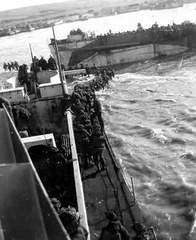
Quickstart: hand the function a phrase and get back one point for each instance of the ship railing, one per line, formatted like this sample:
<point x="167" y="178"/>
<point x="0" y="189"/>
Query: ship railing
<point x="77" y="175"/>
<point x="127" y="186"/>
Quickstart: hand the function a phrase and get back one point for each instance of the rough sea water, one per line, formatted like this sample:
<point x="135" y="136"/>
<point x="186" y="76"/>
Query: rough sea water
<point x="150" y="118"/>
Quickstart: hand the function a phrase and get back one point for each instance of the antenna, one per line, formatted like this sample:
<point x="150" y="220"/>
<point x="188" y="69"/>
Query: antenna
<point x="34" y="71"/>
<point x="61" y="75"/>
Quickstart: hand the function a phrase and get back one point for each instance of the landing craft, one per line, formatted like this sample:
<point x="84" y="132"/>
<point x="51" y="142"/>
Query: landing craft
<point x="109" y="189"/>
<point x="115" y="49"/>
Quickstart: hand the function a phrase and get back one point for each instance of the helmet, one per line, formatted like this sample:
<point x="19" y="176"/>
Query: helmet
<point x="111" y="216"/>
<point x="56" y="203"/>
<point x="139" y="227"/>
<point x="70" y="219"/>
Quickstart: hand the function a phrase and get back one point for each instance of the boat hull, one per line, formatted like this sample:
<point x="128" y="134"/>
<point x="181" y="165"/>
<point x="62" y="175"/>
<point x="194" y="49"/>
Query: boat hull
<point x="116" y="55"/>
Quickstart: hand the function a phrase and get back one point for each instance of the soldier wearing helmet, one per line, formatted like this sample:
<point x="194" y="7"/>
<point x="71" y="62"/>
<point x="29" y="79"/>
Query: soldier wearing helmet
<point x="71" y="221"/>
<point x="114" y="230"/>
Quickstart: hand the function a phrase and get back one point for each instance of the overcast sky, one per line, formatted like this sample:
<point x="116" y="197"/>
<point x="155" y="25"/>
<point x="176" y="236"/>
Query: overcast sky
<point x="10" y="4"/>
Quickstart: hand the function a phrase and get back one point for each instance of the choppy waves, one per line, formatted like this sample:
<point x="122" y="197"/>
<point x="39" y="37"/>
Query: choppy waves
<point x="151" y="123"/>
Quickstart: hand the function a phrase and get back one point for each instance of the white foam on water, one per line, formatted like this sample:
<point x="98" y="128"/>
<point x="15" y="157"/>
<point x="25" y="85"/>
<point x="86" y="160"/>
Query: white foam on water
<point x="159" y="134"/>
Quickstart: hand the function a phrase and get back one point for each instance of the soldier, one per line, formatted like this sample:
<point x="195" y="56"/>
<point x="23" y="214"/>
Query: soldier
<point x="56" y="204"/>
<point x="98" y="145"/>
<point x="81" y="66"/>
<point x="71" y="221"/>
<point x="16" y="65"/>
<point x="9" y="67"/>
<point x="52" y="63"/>
<point x="141" y="232"/>
<point x="114" y="230"/>
<point x="87" y="70"/>
<point x="82" y="135"/>
<point x="43" y="64"/>
<point x="12" y="65"/>
<point x="5" y="66"/>
<point x="97" y="112"/>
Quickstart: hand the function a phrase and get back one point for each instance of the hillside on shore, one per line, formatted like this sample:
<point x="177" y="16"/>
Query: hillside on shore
<point x="60" y="9"/>
<point x="35" y="17"/>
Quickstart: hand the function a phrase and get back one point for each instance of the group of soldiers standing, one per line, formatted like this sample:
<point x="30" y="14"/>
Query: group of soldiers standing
<point x="11" y="66"/>
<point x="88" y="127"/>
<point x="26" y="79"/>
<point x="37" y="64"/>
<point x="88" y="121"/>
<point x="42" y="64"/>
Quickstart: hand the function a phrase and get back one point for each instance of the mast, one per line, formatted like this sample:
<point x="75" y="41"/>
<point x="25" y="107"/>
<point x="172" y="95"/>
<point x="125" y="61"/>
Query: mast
<point x="76" y="167"/>
<point x="61" y="75"/>
<point x="34" y="71"/>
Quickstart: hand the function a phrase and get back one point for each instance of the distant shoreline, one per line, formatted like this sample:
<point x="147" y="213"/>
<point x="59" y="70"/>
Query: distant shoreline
<point x="17" y="26"/>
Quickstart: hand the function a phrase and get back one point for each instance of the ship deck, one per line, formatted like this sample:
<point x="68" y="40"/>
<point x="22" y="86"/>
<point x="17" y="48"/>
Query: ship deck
<point x="107" y="190"/>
